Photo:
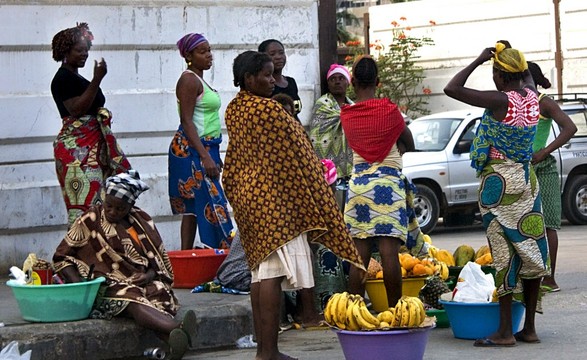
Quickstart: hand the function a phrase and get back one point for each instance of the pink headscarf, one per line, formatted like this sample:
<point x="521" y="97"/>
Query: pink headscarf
<point x="189" y="42"/>
<point x="338" y="69"/>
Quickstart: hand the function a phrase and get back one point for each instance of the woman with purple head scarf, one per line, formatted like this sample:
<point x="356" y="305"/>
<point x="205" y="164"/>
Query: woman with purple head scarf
<point x="194" y="153"/>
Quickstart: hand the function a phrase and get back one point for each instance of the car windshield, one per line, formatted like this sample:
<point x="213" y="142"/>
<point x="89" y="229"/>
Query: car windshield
<point x="433" y="134"/>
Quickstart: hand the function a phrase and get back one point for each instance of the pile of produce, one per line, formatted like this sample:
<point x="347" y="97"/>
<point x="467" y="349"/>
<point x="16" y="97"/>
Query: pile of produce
<point x="462" y="255"/>
<point x="412" y="266"/>
<point x="349" y="312"/>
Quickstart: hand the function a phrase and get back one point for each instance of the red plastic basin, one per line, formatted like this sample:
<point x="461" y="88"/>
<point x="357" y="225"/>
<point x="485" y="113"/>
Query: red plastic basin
<point x="196" y="266"/>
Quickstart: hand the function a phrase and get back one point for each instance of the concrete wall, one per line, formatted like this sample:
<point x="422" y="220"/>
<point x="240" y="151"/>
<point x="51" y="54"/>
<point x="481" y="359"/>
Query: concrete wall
<point x="463" y="28"/>
<point x="137" y="39"/>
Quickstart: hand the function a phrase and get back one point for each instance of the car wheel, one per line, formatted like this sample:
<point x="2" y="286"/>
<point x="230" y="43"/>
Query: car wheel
<point x="575" y="200"/>
<point x="426" y="208"/>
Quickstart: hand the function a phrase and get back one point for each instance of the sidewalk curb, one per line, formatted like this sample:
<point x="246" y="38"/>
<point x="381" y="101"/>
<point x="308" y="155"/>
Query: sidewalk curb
<point x="221" y="321"/>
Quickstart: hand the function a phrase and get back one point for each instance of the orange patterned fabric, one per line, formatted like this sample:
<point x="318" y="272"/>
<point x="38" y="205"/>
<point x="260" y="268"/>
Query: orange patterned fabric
<point x="275" y="182"/>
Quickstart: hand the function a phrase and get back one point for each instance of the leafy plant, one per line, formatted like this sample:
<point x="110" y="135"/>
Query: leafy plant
<point x="400" y="77"/>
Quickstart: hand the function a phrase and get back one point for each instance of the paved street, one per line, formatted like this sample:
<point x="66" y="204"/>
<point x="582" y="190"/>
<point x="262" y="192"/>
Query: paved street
<point x="561" y="327"/>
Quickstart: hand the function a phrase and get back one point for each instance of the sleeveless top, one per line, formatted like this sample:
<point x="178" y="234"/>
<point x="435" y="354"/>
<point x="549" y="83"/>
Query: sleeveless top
<point x="523" y="111"/>
<point x="542" y="131"/>
<point x="206" y="118"/>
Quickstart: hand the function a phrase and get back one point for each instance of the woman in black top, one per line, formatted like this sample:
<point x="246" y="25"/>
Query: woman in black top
<point x="86" y="151"/>
<point x="283" y="84"/>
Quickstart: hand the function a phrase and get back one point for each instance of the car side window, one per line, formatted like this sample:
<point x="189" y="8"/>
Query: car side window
<point x="580" y="119"/>
<point x="469" y="133"/>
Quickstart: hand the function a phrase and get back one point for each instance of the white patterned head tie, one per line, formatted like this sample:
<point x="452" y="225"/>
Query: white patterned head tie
<point x="126" y="186"/>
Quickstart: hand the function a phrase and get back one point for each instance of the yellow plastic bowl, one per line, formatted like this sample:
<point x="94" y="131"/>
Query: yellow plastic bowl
<point x="378" y="296"/>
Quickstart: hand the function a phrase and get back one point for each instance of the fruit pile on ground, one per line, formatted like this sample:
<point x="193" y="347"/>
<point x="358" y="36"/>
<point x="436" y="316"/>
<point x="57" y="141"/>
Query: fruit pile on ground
<point x="349" y="312"/>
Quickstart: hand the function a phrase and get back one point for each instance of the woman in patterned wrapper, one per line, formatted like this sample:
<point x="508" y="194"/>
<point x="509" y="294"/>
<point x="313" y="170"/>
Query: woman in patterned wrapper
<point x="120" y="242"/>
<point x="86" y="152"/>
<point x="275" y="184"/>
<point x="194" y="153"/>
<point x="379" y="207"/>
<point x="509" y="198"/>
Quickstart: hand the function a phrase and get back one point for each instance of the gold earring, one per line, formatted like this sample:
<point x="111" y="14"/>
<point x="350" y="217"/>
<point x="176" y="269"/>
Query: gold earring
<point x="189" y="63"/>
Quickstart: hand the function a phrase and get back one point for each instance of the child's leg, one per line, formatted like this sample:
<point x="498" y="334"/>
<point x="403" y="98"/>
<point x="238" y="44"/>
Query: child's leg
<point x="268" y="301"/>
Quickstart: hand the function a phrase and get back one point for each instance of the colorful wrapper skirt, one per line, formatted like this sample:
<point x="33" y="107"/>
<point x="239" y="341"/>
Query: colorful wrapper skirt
<point x="510" y="205"/>
<point x="86" y="153"/>
<point x="192" y="192"/>
<point x="380" y="203"/>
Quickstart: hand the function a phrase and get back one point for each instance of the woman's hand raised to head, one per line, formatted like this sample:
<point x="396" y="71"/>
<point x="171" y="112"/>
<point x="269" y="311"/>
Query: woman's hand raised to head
<point x="486" y="54"/>
<point x="100" y="69"/>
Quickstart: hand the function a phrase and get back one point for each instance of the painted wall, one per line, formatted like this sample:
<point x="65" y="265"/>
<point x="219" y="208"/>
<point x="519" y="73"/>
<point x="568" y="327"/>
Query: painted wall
<point x="137" y="40"/>
<point x="463" y="28"/>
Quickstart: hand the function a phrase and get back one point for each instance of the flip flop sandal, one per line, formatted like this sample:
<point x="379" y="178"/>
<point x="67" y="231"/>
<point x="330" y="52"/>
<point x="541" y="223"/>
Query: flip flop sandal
<point x="189" y="325"/>
<point x="490" y="343"/>
<point x="549" y="289"/>
<point x="178" y="344"/>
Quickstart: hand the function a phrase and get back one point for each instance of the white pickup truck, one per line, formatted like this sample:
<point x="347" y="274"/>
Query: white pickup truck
<point x="447" y="185"/>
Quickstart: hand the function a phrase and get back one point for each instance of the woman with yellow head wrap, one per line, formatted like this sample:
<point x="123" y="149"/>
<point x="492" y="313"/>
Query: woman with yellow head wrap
<point x="501" y="151"/>
<point x="508" y="59"/>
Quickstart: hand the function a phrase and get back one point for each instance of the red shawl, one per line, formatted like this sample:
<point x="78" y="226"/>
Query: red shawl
<point x="372" y="127"/>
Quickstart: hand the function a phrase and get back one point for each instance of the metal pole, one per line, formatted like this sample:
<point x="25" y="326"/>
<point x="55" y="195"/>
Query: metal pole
<point x="558" y="56"/>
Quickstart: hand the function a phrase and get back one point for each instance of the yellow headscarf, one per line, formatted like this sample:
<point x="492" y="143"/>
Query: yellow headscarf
<point x="508" y="59"/>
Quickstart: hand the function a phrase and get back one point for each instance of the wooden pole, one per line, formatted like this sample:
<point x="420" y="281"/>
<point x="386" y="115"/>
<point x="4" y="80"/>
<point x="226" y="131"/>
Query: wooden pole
<point x="327" y="39"/>
<point x="366" y="26"/>
<point x="558" y="56"/>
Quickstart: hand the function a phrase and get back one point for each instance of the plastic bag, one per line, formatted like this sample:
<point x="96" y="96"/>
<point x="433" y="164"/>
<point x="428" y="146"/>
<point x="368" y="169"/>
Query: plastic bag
<point x="11" y="352"/>
<point x="475" y="287"/>
<point x="246" y="342"/>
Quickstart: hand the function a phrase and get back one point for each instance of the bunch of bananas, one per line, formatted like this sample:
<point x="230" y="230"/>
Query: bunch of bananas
<point x="408" y="312"/>
<point x="442" y="270"/>
<point x="349" y="312"/>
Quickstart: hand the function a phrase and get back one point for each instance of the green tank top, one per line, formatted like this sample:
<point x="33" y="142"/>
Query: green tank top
<point x="542" y="131"/>
<point x="206" y="118"/>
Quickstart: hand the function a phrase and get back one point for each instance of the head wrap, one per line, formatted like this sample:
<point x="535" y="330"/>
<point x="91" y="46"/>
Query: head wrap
<point x="338" y="69"/>
<point x="126" y="186"/>
<point x="189" y="42"/>
<point x="508" y="59"/>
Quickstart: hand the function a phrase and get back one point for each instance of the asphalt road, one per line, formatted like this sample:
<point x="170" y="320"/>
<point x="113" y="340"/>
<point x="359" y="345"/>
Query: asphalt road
<point x="561" y="327"/>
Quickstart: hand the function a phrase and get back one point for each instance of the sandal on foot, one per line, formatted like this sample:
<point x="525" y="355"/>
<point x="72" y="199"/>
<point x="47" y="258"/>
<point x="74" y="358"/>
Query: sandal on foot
<point x="486" y="342"/>
<point x="549" y="289"/>
<point x="189" y="325"/>
<point x="178" y="344"/>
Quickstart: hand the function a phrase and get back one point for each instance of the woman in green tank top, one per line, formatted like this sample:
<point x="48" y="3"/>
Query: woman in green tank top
<point x="194" y="153"/>
<point x="546" y="168"/>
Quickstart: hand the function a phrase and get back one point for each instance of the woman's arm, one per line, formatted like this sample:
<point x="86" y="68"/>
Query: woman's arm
<point x="550" y="109"/>
<point x="79" y="105"/>
<point x="187" y="90"/>
<point x="456" y="89"/>
<point x="405" y="142"/>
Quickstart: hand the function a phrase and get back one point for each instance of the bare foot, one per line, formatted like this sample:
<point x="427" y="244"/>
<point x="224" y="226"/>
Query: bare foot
<point x="527" y="337"/>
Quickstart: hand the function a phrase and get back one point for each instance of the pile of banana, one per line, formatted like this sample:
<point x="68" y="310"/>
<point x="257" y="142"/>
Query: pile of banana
<point x="349" y="312"/>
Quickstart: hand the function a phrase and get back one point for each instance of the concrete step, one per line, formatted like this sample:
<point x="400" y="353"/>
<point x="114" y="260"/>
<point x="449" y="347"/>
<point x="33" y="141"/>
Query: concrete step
<point x="222" y="319"/>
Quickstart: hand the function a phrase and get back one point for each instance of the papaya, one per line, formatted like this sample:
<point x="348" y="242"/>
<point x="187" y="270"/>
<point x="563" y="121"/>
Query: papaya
<point x="484" y="249"/>
<point x="485" y="259"/>
<point x="463" y="254"/>
<point x="445" y="256"/>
